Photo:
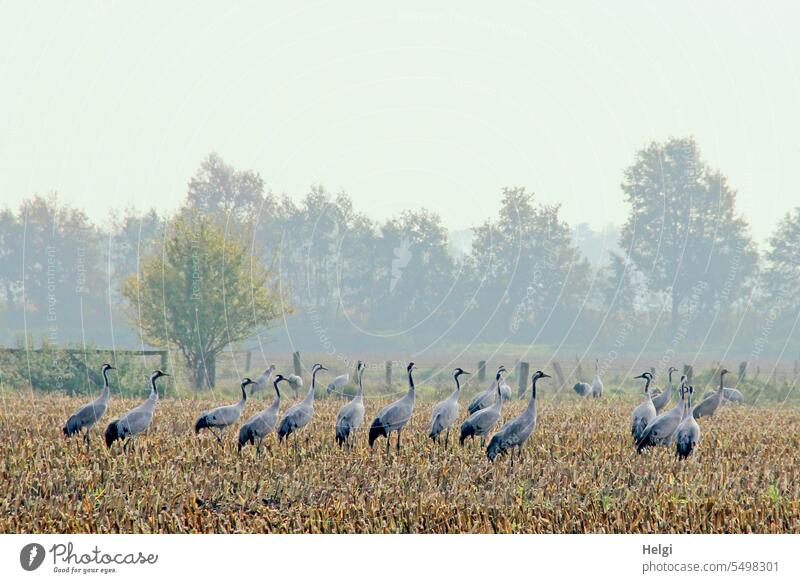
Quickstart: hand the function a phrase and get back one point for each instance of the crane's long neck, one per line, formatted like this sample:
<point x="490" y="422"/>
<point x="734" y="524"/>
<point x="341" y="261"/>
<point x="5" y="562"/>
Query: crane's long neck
<point x="153" y="390"/>
<point x="647" y="388"/>
<point x="671" y="372"/>
<point x="106" y="390"/>
<point x="498" y="402"/>
<point x="532" y="402"/>
<point x="360" y="384"/>
<point x="410" y="384"/>
<point x="458" y="386"/>
<point x="277" y="401"/>
<point x="310" y="395"/>
<point x="721" y="383"/>
<point x="244" y="395"/>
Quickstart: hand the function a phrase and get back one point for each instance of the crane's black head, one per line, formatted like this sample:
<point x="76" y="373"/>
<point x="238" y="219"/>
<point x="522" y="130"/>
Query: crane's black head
<point x="540" y="375"/>
<point x="317" y="367"/>
<point x="411" y="366"/>
<point x="500" y="371"/>
<point x="459" y="371"/>
<point x="648" y="376"/>
<point x="673" y="369"/>
<point x="158" y="374"/>
<point x="723" y="372"/>
<point x="360" y="366"/>
<point x="247" y="381"/>
<point x="275" y="380"/>
<point x="107" y="366"/>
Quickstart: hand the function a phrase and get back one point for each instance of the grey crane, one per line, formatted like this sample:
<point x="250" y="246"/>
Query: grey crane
<point x="138" y="419"/>
<point x="517" y="431"/>
<point x="445" y="412"/>
<point x="486" y="398"/>
<point x="644" y="413"/>
<point x="597" y="384"/>
<point x="90" y="413"/>
<point x="263" y="380"/>
<point x="582" y="389"/>
<point x="259" y="425"/>
<point x="708" y="406"/>
<point x="687" y="435"/>
<point x="296" y="382"/>
<point x="481" y="422"/>
<point x="729" y="395"/>
<point x="351" y="414"/>
<point x="660" y="401"/>
<point x="338" y="384"/>
<point x="394" y="417"/>
<point x="660" y="430"/>
<point x="222" y="417"/>
<point x="299" y="415"/>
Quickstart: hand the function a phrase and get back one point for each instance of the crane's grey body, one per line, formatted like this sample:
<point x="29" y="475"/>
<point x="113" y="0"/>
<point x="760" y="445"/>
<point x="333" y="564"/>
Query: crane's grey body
<point x="137" y="419"/>
<point x="394" y="417"/>
<point x="224" y="416"/>
<point x="296" y="382"/>
<point x="644" y="413"/>
<point x="261" y="424"/>
<point x="687" y="435"/>
<point x="729" y="395"/>
<point x="300" y="415"/>
<point x="89" y="414"/>
<point x="660" y="400"/>
<point x="263" y="381"/>
<point x="480" y="423"/>
<point x="351" y="414"/>
<point x="517" y="431"/>
<point x="597" y="384"/>
<point x="660" y="430"/>
<point x="338" y="384"/>
<point x="582" y="389"/>
<point x="486" y="398"/>
<point x="445" y="412"/>
<point x="708" y="406"/>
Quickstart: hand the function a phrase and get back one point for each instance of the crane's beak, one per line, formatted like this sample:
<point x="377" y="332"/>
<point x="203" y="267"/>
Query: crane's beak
<point x="546" y="376"/>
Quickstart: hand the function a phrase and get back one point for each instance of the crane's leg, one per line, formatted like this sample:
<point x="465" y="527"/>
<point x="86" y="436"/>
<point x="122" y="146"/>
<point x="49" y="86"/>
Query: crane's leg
<point x="446" y="438"/>
<point x="399" y="431"/>
<point x="219" y="439"/>
<point x="483" y="441"/>
<point x="387" y="443"/>
<point x="258" y="446"/>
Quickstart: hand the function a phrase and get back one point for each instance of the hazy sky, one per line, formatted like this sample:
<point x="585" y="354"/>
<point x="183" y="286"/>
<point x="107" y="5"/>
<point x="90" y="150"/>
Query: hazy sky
<point x="116" y="103"/>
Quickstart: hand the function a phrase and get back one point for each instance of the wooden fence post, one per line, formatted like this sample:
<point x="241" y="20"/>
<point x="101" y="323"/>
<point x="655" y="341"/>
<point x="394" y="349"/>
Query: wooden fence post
<point x="578" y="369"/>
<point x="298" y="368"/>
<point x="742" y="371"/>
<point x="388" y="373"/>
<point x="165" y="360"/>
<point x="559" y="374"/>
<point x="481" y="370"/>
<point x="248" y="360"/>
<point x="524" y="371"/>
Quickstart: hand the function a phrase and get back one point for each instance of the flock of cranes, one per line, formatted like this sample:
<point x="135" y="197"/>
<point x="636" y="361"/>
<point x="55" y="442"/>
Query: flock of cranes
<point x="651" y="423"/>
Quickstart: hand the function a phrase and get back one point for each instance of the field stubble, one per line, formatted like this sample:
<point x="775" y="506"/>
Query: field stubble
<point x="579" y="474"/>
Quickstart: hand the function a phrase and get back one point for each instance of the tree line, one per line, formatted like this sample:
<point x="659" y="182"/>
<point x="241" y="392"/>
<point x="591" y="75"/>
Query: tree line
<point x="237" y="263"/>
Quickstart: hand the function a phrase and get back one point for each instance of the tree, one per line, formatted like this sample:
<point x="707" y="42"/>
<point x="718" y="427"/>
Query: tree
<point x="204" y="292"/>
<point x="219" y="189"/>
<point x="683" y="232"/>
<point x="526" y="264"/>
<point x="781" y="278"/>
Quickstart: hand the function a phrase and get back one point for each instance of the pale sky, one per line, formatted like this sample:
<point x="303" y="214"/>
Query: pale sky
<point x="115" y="103"/>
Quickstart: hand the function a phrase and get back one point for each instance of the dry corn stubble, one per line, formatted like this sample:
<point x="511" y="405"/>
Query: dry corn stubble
<point x="579" y="474"/>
